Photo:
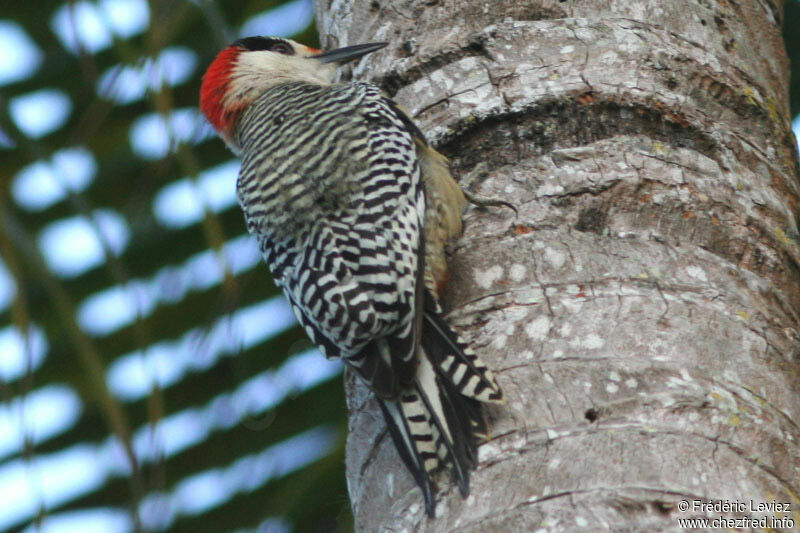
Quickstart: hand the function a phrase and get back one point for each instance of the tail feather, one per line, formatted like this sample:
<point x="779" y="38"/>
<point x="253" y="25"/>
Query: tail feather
<point x="442" y="422"/>
<point x="413" y="452"/>
<point x="436" y="418"/>
<point x="455" y="358"/>
<point x="431" y="432"/>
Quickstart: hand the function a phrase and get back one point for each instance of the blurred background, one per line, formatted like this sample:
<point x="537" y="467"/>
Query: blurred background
<point x="151" y="376"/>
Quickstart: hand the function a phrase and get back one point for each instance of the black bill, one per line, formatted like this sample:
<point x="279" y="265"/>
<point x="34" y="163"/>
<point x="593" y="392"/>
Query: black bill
<point x="348" y="53"/>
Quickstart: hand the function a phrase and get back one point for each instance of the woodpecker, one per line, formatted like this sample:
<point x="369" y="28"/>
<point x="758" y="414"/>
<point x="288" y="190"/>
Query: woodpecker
<point x="352" y="208"/>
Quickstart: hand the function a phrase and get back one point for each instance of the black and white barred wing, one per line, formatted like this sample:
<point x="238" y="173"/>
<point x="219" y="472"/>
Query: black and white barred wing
<point x="346" y="208"/>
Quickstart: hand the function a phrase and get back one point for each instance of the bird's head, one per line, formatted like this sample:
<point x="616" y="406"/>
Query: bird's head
<point x="244" y="70"/>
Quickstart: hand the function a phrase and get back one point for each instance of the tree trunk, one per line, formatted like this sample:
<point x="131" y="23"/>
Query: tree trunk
<point x="641" y="311"/>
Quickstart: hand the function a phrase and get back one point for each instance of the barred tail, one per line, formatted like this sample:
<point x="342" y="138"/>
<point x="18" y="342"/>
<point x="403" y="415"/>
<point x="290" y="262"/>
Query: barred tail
<point x="455" y="359"/>
<point x="435" y="421"/>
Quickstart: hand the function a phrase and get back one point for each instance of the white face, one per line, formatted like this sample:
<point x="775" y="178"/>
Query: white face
<point x="258" y="70"/>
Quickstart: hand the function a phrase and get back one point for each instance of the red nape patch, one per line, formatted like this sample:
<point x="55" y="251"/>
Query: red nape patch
<point x="214" y="87"/>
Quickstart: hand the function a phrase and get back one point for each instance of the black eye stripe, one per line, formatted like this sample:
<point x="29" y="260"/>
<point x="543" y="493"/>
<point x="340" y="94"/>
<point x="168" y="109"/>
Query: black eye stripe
<point x="265" y="43"/>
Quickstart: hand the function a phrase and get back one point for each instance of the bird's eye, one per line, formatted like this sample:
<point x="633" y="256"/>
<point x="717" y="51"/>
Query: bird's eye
<point x="282" y="48"/>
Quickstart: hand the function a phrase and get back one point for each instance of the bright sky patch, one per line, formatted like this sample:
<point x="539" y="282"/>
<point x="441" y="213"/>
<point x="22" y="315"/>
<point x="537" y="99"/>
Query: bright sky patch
<point x="20" y="353"/>
<point x="43" y="183"/>
<point x="91" y="26"/>
<point x="20" y="58"/>
<point x="71" y="246"/>
<point x="116" y="307"/>
<point x="39" y="415"/>
<point x="153" y="137"/>
<point x="41" y="112"/>
<point x="98" y="520"/>
<point x="132" y="376"/>
<point x="51" y="480"/>
<point x="183" y="202"/>
<point x="209" y="489"/>
<point x="282" y="21"/>
<point x="124" y="84"/>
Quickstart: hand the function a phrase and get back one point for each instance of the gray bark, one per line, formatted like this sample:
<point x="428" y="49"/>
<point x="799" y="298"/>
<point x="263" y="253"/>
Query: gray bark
<point x="641" y="312"/>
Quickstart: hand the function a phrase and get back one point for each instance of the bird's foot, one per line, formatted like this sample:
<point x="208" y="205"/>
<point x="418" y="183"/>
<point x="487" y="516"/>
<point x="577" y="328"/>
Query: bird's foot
<point x="478" y="173"/>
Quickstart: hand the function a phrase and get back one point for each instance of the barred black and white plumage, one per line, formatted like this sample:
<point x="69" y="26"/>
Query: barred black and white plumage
<point x="351" y="209"/>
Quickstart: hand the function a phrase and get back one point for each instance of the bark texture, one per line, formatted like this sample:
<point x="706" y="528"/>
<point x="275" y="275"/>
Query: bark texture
<point x="641" y="311"/>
